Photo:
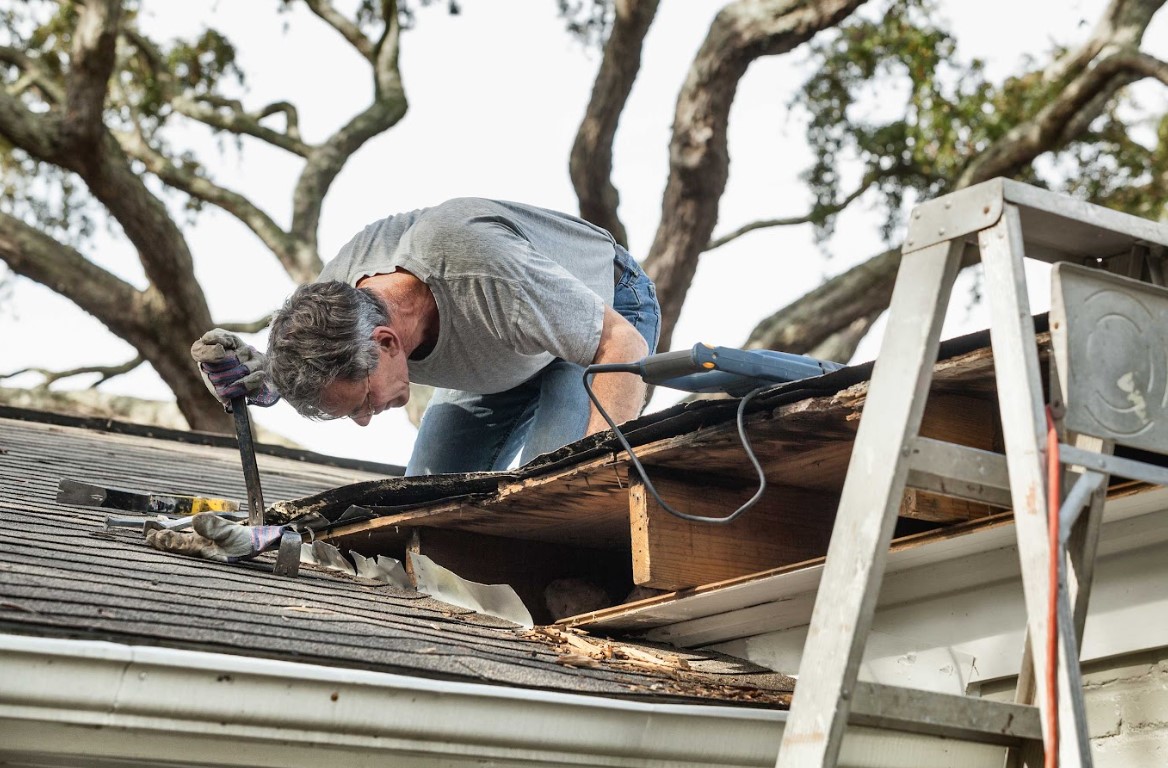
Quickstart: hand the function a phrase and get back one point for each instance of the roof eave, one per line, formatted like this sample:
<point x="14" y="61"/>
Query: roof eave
<point x="114" y="704"/>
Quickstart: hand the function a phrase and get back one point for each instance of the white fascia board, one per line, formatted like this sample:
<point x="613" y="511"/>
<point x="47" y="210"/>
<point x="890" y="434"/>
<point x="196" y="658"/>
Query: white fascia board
<point x="73" y="702"/>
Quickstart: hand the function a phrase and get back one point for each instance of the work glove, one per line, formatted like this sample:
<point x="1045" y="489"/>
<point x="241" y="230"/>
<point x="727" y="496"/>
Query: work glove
<point x="215" y="538"/>
<point x="233" y="368"/>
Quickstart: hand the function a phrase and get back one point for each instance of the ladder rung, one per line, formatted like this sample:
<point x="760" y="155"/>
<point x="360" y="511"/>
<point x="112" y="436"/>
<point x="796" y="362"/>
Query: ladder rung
<point x="957" y="470"/>
<point x="940" y="714"/>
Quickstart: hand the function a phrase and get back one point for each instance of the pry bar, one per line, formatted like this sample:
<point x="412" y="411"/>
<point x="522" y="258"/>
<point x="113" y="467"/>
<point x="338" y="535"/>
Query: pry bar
<point x="89" y="495"/>
<point x="251" y="471"/>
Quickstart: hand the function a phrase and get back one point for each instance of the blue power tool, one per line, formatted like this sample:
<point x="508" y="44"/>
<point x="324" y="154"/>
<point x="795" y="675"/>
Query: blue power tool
<point x="725" y="369"/>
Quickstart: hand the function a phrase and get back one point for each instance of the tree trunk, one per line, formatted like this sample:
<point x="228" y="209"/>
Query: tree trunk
<point x="590" y="164"/>
<point x="699" y="161"/>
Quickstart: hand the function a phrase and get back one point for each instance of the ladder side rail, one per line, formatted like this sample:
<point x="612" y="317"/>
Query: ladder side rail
<point x="862" y="532"/>
<point x="1022" y="406"/>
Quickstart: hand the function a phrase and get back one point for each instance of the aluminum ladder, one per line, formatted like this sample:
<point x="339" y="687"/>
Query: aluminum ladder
<point x="1002" y="222"/>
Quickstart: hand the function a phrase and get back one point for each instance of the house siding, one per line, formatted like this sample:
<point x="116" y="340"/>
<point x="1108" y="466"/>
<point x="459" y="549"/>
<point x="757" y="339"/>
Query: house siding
<point x="1127" y="708"/>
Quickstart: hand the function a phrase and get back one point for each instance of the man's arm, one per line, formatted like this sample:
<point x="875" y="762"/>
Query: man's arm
<point x="621" y="394"/>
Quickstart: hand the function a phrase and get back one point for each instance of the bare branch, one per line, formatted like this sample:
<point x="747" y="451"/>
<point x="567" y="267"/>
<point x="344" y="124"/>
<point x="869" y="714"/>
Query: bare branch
<point x="344" y="25"/>
<point x="386" y="74"/>
<point x="291" y="117"/>
<point x="35" y="255"/>
<point x="1138" y="64"/>
<point x="51" y="377"/>
<point x="841" y="345"/>
<point x="1121" y="26"/>
<point x="229" y="115"/>
<point x="217" y="111"/>
<point x="326" y="161"/>
<point x="234" y="203"/>
<point x="254" y="326"/>
<point x="34" y="74"/>
<point x="36" y="134"/>
<point x="590" y="163"/>
<point x="861" y="292"/>
<point x="794" y="220"/>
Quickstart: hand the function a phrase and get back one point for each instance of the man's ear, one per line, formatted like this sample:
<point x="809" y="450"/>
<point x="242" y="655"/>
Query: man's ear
<point x="387" y="338"/>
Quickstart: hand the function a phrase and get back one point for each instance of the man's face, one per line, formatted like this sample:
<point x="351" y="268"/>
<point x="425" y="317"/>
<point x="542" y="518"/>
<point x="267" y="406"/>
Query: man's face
<point x="387" y="386"/>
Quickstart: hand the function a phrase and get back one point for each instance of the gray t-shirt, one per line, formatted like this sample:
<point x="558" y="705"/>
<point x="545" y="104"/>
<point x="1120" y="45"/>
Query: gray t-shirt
<point x="516" y="286"/>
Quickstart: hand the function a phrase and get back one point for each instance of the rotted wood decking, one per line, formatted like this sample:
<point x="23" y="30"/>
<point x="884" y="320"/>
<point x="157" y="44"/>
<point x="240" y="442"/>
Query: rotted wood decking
<point x="585" y="510"/>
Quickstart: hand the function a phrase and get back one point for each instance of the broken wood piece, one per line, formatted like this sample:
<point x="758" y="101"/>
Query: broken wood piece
<point x="787" y="525"/>
<point x="577" y="649"/>
<point x="921" y="505"/>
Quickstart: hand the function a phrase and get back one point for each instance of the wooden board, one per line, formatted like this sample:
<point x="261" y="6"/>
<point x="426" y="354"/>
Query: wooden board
<point x="584" y="505"/>
<point x="786" y="525"/>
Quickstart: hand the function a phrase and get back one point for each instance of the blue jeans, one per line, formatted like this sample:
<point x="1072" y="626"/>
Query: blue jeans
<point x="464" y="432"/>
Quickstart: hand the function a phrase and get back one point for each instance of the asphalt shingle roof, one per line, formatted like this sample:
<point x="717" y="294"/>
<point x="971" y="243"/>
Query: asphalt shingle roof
<point x="63" y="574"/>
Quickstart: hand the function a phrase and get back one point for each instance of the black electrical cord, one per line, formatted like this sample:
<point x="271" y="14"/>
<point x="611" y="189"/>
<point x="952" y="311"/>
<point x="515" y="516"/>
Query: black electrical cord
<point x="635" y="369"/>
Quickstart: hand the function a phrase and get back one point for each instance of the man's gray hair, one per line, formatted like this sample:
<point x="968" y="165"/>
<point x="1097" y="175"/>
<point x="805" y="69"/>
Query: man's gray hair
<point x="324" y="332"/>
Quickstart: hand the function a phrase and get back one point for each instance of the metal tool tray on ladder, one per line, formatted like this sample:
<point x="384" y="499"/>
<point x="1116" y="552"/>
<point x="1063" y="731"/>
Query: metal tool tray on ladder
<point x="1109" y="337"/>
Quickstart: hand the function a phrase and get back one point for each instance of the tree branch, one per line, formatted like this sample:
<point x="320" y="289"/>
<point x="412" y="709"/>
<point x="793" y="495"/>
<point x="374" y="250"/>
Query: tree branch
<point x="265" y="228"/>
<point x="31" y="253"/>
<point x="590" y="162"/>
<point x="229" y="115"/>
<point x="219" y="112"/>
<point x="865" y="290"/>
<point x="291" y="116"/>
<point x="1121" y="26"/>
<point x="326" y="161"/>
<point x="807" y="218"/>
<point x="35" y="74"/>
<point x="345" y="26"/>
<point x="37" y="134"/>
<point x="253" y="326"/>
<point x="51" y="377"/>
<point x="861" y="292"/>
<point x="698" y="154"/>
<point x="1081" y="101"/>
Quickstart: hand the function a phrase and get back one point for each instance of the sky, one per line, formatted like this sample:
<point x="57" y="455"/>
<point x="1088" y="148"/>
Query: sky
<point x="496" y="94"/>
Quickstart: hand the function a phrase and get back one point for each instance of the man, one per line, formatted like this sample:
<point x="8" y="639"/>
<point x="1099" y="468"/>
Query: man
<point x="498" y="304"/>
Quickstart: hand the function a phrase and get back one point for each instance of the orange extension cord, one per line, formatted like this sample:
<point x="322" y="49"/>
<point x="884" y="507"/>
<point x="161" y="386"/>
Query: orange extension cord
<point x="1052" y="497"/>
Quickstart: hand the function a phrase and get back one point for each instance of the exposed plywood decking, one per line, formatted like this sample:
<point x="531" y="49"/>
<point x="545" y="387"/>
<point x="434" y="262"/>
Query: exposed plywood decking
<point x="804" y="447"/>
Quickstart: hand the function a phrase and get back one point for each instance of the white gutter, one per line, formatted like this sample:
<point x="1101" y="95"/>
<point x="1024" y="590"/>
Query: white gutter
<point x="98" y="703"/>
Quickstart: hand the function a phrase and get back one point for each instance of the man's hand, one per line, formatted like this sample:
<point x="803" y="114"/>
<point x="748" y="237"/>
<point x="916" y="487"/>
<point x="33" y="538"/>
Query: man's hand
<point x="233" y="368"/>
<point x="621" y="394"/>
